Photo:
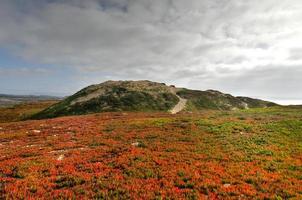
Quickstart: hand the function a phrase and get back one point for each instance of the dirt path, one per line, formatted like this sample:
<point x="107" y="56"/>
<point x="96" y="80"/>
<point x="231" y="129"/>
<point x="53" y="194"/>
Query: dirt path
<point x="180" y="105"/>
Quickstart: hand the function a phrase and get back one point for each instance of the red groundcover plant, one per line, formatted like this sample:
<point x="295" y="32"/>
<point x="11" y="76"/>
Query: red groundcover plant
<point x="210" y="155"/>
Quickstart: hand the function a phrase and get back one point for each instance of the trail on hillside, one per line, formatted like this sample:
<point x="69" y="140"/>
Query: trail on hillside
<point x="180" y="105"/>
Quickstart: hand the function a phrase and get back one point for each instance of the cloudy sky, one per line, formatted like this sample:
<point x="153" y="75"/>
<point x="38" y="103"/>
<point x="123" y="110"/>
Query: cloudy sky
<point x="242" y="47"/>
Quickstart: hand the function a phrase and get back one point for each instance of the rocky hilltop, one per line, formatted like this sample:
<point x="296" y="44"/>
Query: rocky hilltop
<point x="145" y="96"/>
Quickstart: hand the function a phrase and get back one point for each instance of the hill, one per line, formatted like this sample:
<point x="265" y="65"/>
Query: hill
<point x="11" y="100"/>
<point x="145" y="96"/>
<point x="212" y="99"/>
<point x="24" y="110"/>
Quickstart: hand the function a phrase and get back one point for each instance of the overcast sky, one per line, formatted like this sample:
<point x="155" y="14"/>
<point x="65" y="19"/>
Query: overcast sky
<point x="242" y="47"/>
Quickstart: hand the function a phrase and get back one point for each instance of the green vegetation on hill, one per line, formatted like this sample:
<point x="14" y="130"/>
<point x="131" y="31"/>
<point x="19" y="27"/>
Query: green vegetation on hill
<point x="256" y="103"/>
<point x="211" y="99"/>
<point x="108" y="97"/>
<point x="144" y="96"/>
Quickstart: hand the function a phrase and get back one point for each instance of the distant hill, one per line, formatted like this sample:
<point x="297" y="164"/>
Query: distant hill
<point x="145" y="96"/>
<point x="11" y="100"/>
<point x="211" y="99"/>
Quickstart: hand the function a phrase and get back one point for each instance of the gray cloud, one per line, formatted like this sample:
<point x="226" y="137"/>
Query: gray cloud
<point x="296" y="54"/>
<point x="23" y="71"/>
<point x="238" y="46"/>
<point x="268" y="82"/>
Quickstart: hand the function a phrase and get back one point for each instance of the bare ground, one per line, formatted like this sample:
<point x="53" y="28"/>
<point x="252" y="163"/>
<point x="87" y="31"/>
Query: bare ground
<point x="180" y="105"/>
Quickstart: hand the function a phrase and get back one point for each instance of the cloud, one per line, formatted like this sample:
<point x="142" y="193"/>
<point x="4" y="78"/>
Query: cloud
<point x="23" y="71"/>
<point x="196" y="44"/>
<point x="264" y="81"/>
<point x="295" y="54"/>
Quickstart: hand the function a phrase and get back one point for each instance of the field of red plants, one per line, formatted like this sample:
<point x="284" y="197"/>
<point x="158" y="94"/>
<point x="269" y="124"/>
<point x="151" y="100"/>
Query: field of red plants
<point x="210" y="155"/>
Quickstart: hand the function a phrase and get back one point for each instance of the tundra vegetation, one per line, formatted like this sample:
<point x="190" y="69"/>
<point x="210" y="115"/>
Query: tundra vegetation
<point x="210" y="154"/>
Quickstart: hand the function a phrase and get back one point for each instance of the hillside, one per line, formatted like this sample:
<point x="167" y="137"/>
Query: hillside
<point x="11" y="100"/>
<point x="145" y="96"/>
<point x="115" y="96"/>
<point x="211" y="99"/>
<point x="21" y="111"/>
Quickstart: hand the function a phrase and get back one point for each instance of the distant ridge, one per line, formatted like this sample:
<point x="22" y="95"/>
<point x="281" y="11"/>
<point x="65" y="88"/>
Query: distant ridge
<point x="10" y="100"/>
<point x="147" y="96"/>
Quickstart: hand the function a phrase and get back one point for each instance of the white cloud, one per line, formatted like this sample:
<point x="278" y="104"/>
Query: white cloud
<point x="194" y="43"/>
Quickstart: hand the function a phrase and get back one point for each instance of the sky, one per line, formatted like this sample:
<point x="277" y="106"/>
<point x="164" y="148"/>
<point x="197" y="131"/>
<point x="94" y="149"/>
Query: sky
<point x="242" y="47"/>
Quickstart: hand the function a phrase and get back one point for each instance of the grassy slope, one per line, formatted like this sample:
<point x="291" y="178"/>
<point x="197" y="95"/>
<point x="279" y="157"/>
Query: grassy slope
<point x="117" y="98"/>
<point x="256" y="103"/>
<point x="143" y="96"/>
<point x="199" y="100"/>
<point x="212" y="154"/>
<point x="21" y="111"/>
